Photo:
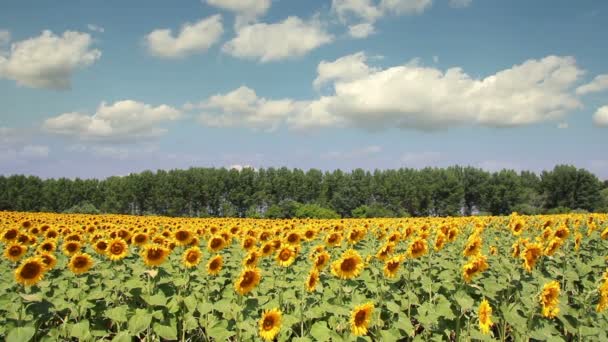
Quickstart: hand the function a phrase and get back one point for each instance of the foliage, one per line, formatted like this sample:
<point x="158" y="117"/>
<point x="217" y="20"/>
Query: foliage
<point x="315" y="211"/>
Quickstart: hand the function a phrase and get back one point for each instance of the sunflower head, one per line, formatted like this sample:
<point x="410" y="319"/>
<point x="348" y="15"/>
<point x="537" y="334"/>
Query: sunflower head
<point x="286" y="256"/>
<point x="348" y="266"/>
<point x="247" y="281"/>
<point x="139" y="239"/>
<point x="321" y="260"/>
<point x="391" y="266"/>
<point x="14" y="252"/>
<point x="117" y="249"/>
<point x="215" y="244"/>
<point x="183" y="236"/>
<point x="191" y="257"/>
<point x="154" y="255"/>
<point x="214" y="266"/>
<point x="252" y="258"/>
<point x="30" y="272"/>
<point x="49" y="260"/>
<point x="312" y="280"/>
<point x="361" y="318"/>
<point x="71" y="247"/>
<point x="10" y="235"/>
<point x="270" y="324"/>
<point x="80" y="263"/>
<point x="47" y="246"/>
<point x="417" y="248"/>
<point x="485" y="316"/>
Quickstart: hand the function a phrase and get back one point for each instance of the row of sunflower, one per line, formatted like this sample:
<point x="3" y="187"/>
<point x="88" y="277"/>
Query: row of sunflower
<point x="115" y="277"/>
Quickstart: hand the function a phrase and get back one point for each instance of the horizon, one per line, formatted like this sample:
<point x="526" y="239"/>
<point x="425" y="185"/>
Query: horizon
<point x="331" y="85"/>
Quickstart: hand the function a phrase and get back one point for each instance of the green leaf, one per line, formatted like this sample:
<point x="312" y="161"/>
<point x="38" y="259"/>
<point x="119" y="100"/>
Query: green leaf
<point x="464" y="300"/>
<point x="20" y="334"/>
<point x="32" y="297"/>
<point x="80" y="330"/>
<point x="140" y="321"/>
<point x="190" y="303"/>
<point x="320" y="331"/>
<point x="389" y="335"/>
<point x="220" y="332"/>
<point x="393" y="307"/>
<point x="122" y="336"/>
<point x="168" y="332"/>
<point x="117" y="314"/>
<point x="204" y="308"/>
<point x="404" y="324"/>
<point x="158" y="299"/>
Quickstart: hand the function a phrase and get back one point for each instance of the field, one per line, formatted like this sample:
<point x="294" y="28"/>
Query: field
<point x="122" y="278"/>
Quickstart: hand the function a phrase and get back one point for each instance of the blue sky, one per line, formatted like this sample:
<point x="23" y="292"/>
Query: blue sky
<point x="93" y="89"/>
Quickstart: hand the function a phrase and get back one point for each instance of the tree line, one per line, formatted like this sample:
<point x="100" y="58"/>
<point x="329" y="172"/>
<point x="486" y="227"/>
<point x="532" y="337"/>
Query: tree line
<point x="283" y="192"/>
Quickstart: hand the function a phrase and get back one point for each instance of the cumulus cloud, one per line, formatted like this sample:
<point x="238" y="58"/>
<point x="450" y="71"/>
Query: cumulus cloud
<point x="598" y="84"/>
<point x="362" y="30"/>
<point x="346" y="68"/>
<point x="416" y="97"/>
<point x="460" y="3"/>
<point x="192" y="38"/>
<point x="121" y="121"/>
<point x="48" y="61"/>
<point x="358" y="9"/>
<point x="242" y="107"/>
<point x="600" y="118"/>
<point x="291" y="37"/>
<point x="247" y="11"/>
<point x="95" y="28"/>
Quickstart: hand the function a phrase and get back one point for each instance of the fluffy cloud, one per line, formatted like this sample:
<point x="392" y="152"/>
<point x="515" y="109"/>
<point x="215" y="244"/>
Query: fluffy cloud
<point x="246" y="11"/>
<point x="291" y="37"/>
<point x="242" y="107"/>
<point x="192" y="38"/>
<point x="362" y="30"/>
<point x="343" y="69"/>
<point x="361" y="9"/>
<point x="599" y="83"/>
<point x="460" y="3"/>
<point x="121" y="121"/>
<point x="48" y="61"/>
<point x="416" y="97"/>
<point x="600" y="118"/>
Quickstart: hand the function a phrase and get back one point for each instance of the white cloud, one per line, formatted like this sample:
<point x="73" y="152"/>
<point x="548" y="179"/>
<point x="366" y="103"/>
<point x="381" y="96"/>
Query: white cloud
<point x="121" y="121"/>
<point x="192" y="38"/>
<point x="242" y="107"/>
<point x="460" y="3"/>
<point x="346" y="68"/>
<point x="563" y="125"/>
<point x="362" y="30"/>
<point x="48" y="61"/>
<point x="247" y="11"/>
<point x="95" y="28"/>
<point x="5" y="37"/>
<point x="360" y="9"/>
<point x="598" y="84"/>
<point x="416" y="97"/>
<point x="291" y="37"/>
<point x="600" y="118"/>
<point x="405" y="6"/>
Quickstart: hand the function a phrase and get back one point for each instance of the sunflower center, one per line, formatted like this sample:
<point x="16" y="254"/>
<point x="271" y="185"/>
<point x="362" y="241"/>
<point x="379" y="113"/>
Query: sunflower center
<point x="182" y="235"/>
<point x="268" y="323"/>
<point x="285" y="255"/>
<point x="14" y="251"/>
<point x="117" y="248"/>
<point x="360" y="318"/>
<point x="192" y="257"/>
<point x="392" y="266"/>
<point x="293" y="238"/>
<point x="248" y="244"/>
<point x="155" y="254"/>
<point x="31" y="270"/>
<point x="216" y="243"/>
<point x="320" y="260"/>
<point x="247" y="279"/>
<point x="140" y="238"/>
<point x="348" y="265"/>
<point x="80" y="262"/>
<point x="102" y="245"/>
<point x="312" y="281"/>
<point x="47" y="247"/>
<point x="71" y="247"/>
<point x="215" y="264"/>
<point x="10" y="235"/>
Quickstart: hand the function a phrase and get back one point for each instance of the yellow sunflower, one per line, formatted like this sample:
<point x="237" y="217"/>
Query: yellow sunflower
<point x="215" y="244"/>
<point x="154" y="255"/>
<point x="30" y="272"/>
<point x="183" y="236"/>
<point x="361" y="318"/>
<point x="14" y="252"/>
<point x="417" y="248"/>
<point x="549" y="299"/>
<point x="49" y="260"/>
<point x="214" y="266"/>
<point x="47" y="246"/>
<point x="251" y="259"/>
<point x="321" y="260"/>
<point x="139" y="239"/>
<point x="101" y="246"/>
<point x="247" y="281"/>
<point x="485" y="316"/>
<point x="391" y="266"/>
<point x="117" y="249"/>
<point x="191" y="257"/>
<point x="312" y="280"/>
<point x="348" y="266"/>
<point x="286" y="256"/>
<point x="473" y="246"/>
<point x="71" y="247"/>
<point x="270" y="324"/>
<point x="531" y="254"/>
<point x="80" y="263"/>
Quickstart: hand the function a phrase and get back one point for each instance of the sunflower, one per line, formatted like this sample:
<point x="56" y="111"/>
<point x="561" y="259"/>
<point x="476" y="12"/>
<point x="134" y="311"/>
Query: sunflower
<point x="562" y="232"/>
<point x="531" y="255"/>
<point x="101" y="246"/>
<point x="183" y="237"/>
<point x="154" y="255"/>
<point x="553" y="246"/>
<point x="80" y="263"/>
<point x="30" y="272"/>
<point x="578" y="237"/>
<point x="417" y="248"/>
<point x="348" y="266"/>
<point x="51" y="234"/>
<point x="485" y="316"/>
<point x="549" y="299"/>
<point x="312" y="280"/>
<point x="247" y="281"/>
<point x="139" y="239"/>
<point x="321" y="260"/>
<point x="10" y="235"/>
<point x="517" y="226"/>
<point x="476" y="265"/>
<point x="391" y="266"/>
<point x="215" y="244"/>
<point x="385" y="251"/>
<point x="191" y="257"/>
<point x="14" y="252"/>
<point x="70" y="248"/>
<point x="473" y="246"/>
<point x="267" y="249"/>
<point x="117" y="249"/>
<point x="333" y="239"/>
<point x="286" y="256"/>
<point x="603" y="292"/>
<point x="49" y="260"/>
<point x="270" y="324"/>
<point x="252" y="258"/>
<point x="293" y="239"/>
<point x="47" y="246"/>
<point x="361" y="318"/>
<point x="440" y="240"/>
<point x="214" y="266"/>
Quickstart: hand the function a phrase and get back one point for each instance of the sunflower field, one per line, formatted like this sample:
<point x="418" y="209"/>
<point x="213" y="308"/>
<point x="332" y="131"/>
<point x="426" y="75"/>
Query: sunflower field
<point x="127" y="278"/>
